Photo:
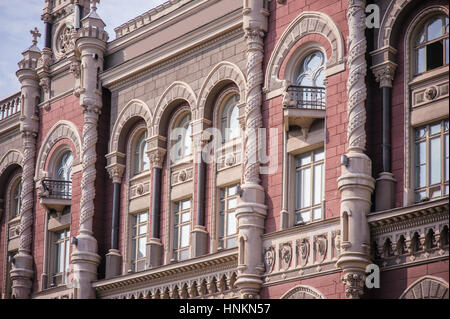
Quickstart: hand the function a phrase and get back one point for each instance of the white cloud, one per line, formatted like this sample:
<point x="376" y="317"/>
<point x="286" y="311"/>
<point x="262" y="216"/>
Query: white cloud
<point x="17" y="20"/>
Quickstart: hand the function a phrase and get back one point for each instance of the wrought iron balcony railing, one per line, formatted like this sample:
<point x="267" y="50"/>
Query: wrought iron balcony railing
<point x="57" y="189"/>
<point x="10" y="106"/>
<point x="307" y="97"/>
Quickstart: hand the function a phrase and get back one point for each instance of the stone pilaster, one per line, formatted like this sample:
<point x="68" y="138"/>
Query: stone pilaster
<point x="22" y="268"/>
<point x="91" y="44"/>
<point x="251" y="210"/>
<point x="355" y="183"/>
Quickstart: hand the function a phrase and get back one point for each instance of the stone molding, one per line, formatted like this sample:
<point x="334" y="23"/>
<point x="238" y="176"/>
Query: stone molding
<point x="176" y="91"/>
<point x="221" y="72"/>
<point x="11" y="157"/>
<point x="61" y="130"/>
<point x="134" y="108"/>
<point x="384" y="73"/>
<point x="427" y="287"/>
<point x="308" y="22"/>
<point x="303" y="292"/>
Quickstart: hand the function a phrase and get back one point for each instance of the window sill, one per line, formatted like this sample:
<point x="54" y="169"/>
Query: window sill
<point x="429" y="75"/>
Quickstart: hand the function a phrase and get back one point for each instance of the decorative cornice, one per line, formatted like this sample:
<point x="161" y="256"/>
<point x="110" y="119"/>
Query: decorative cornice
<point x="219" y="31"/>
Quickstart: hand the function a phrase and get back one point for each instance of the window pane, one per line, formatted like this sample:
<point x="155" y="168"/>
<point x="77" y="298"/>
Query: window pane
<point x="231" y="242"/>
<point x="221" y="225"/>
<point x="317" y="184"/>
<point x="133" y="249"/>
<point x="305" y="216"/>
<point x="141" y="248"/>
<point x="420" y="133"/>
<point x="143" y="229"/>
<point x="421" y="156"/>
<point x="61" y="257"/>
<point x="434" y="129"/>
<point x="319" y="155"/>
<point x="446" y="157"/>
<point x="142" y="217"/>
<point x="305" y="159"/>
<point x="185" y="217"/>
<point x="320" y="78"/>
<point x="175" y="238"/>
<point x="420" y="60"/>
<point x="298" y="190"/>
<point x="66" y="259"/>
<point x="434" y="29"/>
<point x="184" y="236"/>
<point x="234" y="123"/>
<point x="184" y="254"/>
<point x="232" y="203"/>
<point x="231" y="223"/>
<point x="446" y="51"/>
<point x="317" y="213"/>
<point x="145" y="160"/>
<point x="435" y="160"/>
<point x="232" y="190"/>
<point x="435" y="53"/>
<point x="186" y="204"/>
<point x="306" y="187"/>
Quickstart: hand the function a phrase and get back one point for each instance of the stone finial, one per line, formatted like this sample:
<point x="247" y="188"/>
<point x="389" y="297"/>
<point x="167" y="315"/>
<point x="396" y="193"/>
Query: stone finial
<point x="35" y="34"/>
<point x="94" y="4"/>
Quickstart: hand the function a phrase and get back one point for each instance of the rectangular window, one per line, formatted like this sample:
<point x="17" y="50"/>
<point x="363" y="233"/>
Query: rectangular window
<point x="61" y="246"/>
<point x="227" y="216"/>
<point x="431" y="161"/>
<point x="139" y="241"/>
<point x="182" y="229"/>
<point x="309" y="186"/>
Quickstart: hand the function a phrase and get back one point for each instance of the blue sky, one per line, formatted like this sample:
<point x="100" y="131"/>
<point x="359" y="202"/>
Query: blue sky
<point x="19" y="17"/>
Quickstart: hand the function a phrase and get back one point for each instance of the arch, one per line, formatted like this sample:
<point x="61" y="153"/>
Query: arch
<point x="10" y="158"/>
<point x="61" y="130"/>
<point x="134" y="108"/>
<point x="176" y="92"/>
<point x="222" y="72"/>
<point x="303" y="292"/>
<point x="308" y="22"/>
<point x="427" y="287"/>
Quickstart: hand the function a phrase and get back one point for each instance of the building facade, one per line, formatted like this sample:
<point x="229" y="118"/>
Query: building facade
<point x="229" y="149"/>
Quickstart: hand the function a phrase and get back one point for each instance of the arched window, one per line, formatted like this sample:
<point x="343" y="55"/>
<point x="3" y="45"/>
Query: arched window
<point x="141" y="161"/>
<point x="431" y="44"/>
<point x="182" y="133"/>
<point x="229" y="119"/>
<point x="15" y="198"/>
<point x="64" y="167"/>
<point x="311" y="71"/>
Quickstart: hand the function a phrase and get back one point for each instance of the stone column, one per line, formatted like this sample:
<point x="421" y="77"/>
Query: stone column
<point x="113" y="257"/>
<point x="385" y="184"/>
<point x="251" y="209"/>
<point x="22" y="268"/>
<point x="199" y="235"/>
<point x="355" y="183"/>
<point x="91" y="44"/>
<point x="154" y="244"/>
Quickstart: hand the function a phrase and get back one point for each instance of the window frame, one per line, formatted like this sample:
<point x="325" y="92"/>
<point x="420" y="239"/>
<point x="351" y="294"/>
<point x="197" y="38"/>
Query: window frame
<point x="443" y="169"/>
<point x="223" y="221"/>
<point x="53" y="275"/>
<point x="133" y="261"/>
<point x="177" y="225"/>
<point x="422" y="27"/>
<point x="138" y="153"/>
<point x="179" y="118"/>
<point x="228" y="109"/>
<point x="297" y="211"/>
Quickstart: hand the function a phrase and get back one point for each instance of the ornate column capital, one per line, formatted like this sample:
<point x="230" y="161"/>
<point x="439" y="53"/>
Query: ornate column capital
<point x="116" y="172"/>
<point x="156" y="157"/>
<point x="384" y="73"/>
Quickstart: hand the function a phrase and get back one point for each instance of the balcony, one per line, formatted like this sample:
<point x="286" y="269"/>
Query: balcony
<point x="302" y="105"/>
<point x="9" y="112"/>
<point x="56" y="194"/>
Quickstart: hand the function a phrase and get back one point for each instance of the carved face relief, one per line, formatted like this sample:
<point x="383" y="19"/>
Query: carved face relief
<point x="303" y="250"/>
<point x="320" y="247"/>
<point x="285" y="255"/>
<point x="269" y="258"/>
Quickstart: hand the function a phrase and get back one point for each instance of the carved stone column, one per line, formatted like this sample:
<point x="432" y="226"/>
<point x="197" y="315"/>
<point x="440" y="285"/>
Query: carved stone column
<point x="154" y="244"/>
<point x="385" y="184"/>
<point x="113" y="257"/>
<point x="355" y="183"/>
<point x="251" y="210"/>
<point x="91" y="44"/>
<point x="22" y="268"/>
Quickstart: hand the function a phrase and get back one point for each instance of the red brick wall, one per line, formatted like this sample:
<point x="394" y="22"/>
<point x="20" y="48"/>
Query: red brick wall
<point x="394" y="282"/>
<point x="330" y="286"/>
<point x="68" y="109"/>
<point x="336" y="112"/>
